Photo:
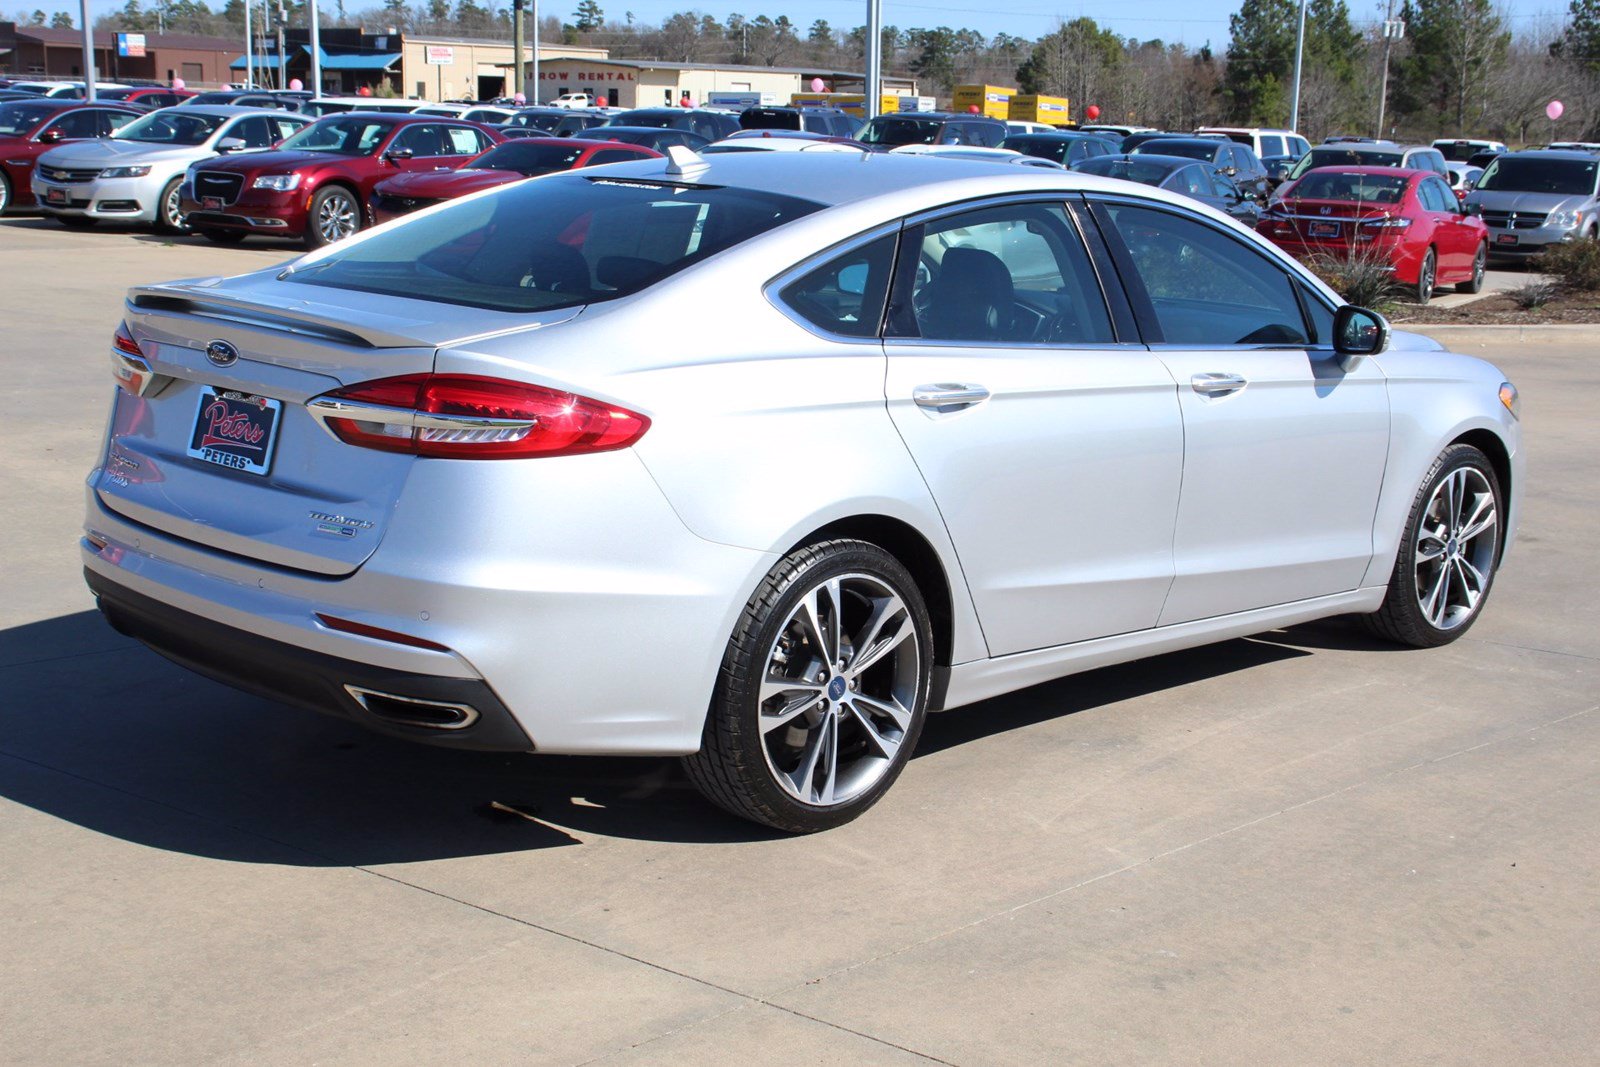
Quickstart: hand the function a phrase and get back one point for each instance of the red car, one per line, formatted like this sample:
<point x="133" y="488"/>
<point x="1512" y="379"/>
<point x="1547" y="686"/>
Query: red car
<point x="1408" y="218"/>
<point x="29" y="128"/>
<point x="148" y="97"/>
<point x="317" y="185"/>
<point x="526" y="157"/>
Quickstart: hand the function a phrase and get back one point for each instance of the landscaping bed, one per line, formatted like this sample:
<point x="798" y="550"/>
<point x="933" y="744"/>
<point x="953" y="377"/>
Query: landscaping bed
<point x="1501" y="309"/>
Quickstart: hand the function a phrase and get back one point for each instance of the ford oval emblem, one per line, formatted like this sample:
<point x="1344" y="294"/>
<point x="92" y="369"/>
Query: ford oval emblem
<point x="222" y="354"/>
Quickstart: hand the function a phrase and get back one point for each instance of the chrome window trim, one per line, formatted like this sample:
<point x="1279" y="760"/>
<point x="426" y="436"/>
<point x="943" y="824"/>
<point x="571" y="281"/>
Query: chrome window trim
<point x="774" y="288"/>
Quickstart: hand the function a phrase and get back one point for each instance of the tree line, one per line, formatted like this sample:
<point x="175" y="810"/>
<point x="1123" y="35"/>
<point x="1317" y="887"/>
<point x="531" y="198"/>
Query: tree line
<point x="1461" y="67"/>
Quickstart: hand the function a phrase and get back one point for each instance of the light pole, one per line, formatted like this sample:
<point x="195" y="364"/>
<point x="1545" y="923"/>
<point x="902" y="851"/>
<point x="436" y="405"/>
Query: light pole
<point x="316" y="51"/>
<point x="88" y="55"/>
<point x="249" y="51"/>
<point x="518" y="71"/>
<point x="873" y="91"/>
<point x="534" y="98"/>
<point x="1299" y="53"/>
<point x="1393" y="30"/>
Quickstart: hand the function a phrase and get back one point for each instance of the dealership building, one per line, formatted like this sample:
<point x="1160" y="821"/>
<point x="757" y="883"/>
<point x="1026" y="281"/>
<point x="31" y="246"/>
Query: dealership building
<point x="43" y="52"/>
<point x="653" y="83"/>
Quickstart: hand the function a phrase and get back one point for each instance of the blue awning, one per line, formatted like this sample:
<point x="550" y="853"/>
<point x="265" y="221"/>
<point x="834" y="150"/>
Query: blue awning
<point x="347" y="61"/>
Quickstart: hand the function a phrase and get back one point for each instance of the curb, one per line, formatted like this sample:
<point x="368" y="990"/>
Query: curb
<point x="1550" y="333"/>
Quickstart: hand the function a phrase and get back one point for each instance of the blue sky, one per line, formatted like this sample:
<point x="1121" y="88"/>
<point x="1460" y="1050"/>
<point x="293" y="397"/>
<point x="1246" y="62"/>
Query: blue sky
<point x="1192" y="21"/>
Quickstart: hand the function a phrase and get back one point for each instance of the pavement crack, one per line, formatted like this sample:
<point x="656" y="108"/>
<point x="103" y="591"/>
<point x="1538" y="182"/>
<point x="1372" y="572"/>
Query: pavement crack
<point x="1532" y="648"/>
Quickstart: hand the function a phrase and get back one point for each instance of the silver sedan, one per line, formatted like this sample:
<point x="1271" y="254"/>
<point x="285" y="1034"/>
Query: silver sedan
<point x="758" y="460"/>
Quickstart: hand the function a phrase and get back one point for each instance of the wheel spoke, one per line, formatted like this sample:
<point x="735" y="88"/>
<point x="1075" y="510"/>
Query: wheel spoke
<point x="1438" y="598"/>
<point x="889" y="625"/>
<point x="1450" y="505"/>
<point x="887" y="746"/>
<point x="797" y="701"/>
<point x="1482" y="519"/>
<point x="810" y="616"/>
<point x="805" y="775"/>
<point x="830" y="758"/>
<point x="892" y="709"/>
<point x="1472" y="581"/>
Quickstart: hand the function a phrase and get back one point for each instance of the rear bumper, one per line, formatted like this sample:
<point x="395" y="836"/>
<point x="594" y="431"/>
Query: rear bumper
<point x="308" y="679"/>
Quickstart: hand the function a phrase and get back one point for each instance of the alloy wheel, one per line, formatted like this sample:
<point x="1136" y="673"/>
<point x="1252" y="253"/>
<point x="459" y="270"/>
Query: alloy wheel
<point x="336" y="218"/>
<point x="172" y="211"/>
<point x="837" y="694"/>
<point x="1456" y="542"/>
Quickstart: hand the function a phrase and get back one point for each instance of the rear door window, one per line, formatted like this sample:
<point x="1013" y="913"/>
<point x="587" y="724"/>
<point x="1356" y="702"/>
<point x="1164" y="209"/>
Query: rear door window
<point x="845" y="295"/>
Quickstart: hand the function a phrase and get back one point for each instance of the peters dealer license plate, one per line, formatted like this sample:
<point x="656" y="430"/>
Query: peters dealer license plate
<point x="233" y="429"/>
<point x="55" y="196"/>
<point x="211" y="203"/>
<point x="1505" y="239"/>
<point x="1324" y="229"/>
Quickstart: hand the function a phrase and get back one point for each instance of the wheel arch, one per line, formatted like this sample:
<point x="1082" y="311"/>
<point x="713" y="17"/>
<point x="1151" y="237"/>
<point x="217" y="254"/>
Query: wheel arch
<point x="1489" y="443"/>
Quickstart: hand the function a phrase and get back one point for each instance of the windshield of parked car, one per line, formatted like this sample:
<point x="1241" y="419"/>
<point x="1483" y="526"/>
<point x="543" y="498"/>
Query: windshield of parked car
<point x="654" y="118"/>
<point x="1145" y="172"/>
<point x="893" y="130"/>
<point x="20" y="117"/>
<point x="170" y="127"/>
<point x="1358" y="188"/>
<point x="1043" y="147"/>
<point x="213" y="98"/>
<point x="557" y="242"/>
<point x="1530" y="174"/>
<point x="1206" y="150"/>
<point x="343" y="136"/>
<point x="537" y="120"/>
<point x="530" y="159"/>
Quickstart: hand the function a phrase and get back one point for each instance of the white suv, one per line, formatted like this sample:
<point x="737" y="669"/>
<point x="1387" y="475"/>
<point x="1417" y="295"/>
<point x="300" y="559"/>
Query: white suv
<point x="1267" y="144"/>
<point x="573" y="100"/>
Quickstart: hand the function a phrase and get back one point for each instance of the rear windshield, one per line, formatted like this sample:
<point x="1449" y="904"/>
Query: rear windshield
<point x="530" y="159"/>
<point x="1529" y="174"/>
<point x="18" y="118"/>
<point x="1206" y="150"/>
<point x="654" y="118"/>
<point x="1460" y="151"/>
<point x="1129" y="170"/>
<point x="536" y="120"/>
<point x="1038" y="146"/>
<point x="1357" y="188"/>
<point x="769" y="118"/>
<point x="557" y="242"/>
<point x="1354" y="157"/>
<point x="899" y="131"/>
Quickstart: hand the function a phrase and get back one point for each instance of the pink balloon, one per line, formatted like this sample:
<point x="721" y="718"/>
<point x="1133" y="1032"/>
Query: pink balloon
<point x="1554" y="109"/>
<point x="296" y="84"/>
<point x="177" y="83"/>
<point x="519" y="99"/>
<point x="817" y="85"/>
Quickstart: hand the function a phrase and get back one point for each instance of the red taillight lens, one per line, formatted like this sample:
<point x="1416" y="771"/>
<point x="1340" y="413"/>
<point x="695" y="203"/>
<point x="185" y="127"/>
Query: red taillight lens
<point x="465" y="416"/>
<point x="128" y="364"/>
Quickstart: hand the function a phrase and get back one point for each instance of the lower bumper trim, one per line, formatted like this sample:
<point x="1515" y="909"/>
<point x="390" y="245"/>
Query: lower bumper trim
<point x="288" y="673"/>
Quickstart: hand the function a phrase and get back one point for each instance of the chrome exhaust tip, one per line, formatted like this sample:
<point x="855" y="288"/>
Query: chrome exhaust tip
<point x="413" y="711"/>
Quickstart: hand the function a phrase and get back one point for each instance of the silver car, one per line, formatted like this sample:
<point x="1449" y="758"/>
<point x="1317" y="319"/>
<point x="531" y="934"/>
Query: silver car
<point x="757" y="460"/>
<point x="1531" y="200"/>
<point x="134" y="175"/>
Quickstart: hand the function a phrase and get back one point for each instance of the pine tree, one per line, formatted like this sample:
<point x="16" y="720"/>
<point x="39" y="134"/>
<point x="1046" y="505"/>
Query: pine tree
<point x="1580" y="41"/>
<point x="588" y="17"/>
<point x="1455" y="45"/>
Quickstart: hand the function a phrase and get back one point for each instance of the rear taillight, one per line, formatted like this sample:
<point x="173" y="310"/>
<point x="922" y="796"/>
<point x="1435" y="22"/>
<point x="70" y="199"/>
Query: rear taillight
<point x="128" y="363"/>
<point x="1387" y="222"/>
<point x="465" y="416"/>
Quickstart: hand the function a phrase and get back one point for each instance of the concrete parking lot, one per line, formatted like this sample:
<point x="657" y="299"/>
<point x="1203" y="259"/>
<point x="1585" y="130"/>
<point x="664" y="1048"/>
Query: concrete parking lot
<point x="1304" y="847"/>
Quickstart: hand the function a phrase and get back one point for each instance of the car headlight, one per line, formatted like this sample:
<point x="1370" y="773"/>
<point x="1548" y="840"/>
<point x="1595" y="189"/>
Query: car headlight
<point x="1562" y="219"/>
<point x="125" y="172"/>
<point x="278" y="183"/>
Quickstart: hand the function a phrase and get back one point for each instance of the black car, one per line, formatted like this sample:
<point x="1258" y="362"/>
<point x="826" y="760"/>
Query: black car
<point x="1134" y="140"/>
<point x="829" y="121"/>
<point x="1193" y="178"/>
<point x="931" y="127"/>
<point x="1064" y="148"/>
<point x="702" y="122"/>
<point x="553" y="121"/>
<point x="1234" y="160"/>
<point x="243" y="98"/>
<point x="655" y="137"/>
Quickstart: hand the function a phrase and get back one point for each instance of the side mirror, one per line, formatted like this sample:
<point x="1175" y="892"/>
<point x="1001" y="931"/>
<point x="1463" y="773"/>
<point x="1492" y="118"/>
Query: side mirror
<point x="853" y="279"/>
<point x="230" y="144"/>
<point x="397" y="154"/>
<point x="1230" y="171"/>
<point x="1357" y="334"/>
<point x="50" y="136"/>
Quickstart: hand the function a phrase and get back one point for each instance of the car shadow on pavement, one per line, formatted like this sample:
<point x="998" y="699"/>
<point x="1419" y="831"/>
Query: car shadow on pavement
<point x="100" y="732"/>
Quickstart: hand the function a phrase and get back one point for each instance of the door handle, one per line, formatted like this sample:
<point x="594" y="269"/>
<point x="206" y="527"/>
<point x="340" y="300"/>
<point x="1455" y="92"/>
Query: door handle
<point x="1216" y="383"/>
<point x="948" y="396"/>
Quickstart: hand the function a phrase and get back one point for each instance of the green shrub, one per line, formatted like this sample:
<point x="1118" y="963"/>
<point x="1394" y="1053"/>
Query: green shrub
<point x="1575" y="263"/>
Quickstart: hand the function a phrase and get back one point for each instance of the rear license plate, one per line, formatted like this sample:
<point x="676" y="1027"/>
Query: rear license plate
<point x="233" y="429"/>
<point x="1506" y="239"/>
<point x="1324" y="229"/>
<point x="55" y="196"/>
<point x="211" y="203"/>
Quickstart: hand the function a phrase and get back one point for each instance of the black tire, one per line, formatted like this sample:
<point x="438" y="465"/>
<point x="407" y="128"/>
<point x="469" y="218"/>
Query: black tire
<point x="221" y="237"/>
<point x="165" y="208"/>
<point x="5" y="194"/>
<point x="1402" y="618"/>
<point x="315" y="236"/>
<point x="76" y="222"/>
<point x="733" y="769"/>
<point x="1480" y="263"/>
<point x="1427" y="277"/>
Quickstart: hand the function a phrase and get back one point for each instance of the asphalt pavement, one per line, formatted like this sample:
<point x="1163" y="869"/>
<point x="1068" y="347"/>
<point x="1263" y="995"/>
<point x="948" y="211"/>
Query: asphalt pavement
<point x="1302" y="847"/>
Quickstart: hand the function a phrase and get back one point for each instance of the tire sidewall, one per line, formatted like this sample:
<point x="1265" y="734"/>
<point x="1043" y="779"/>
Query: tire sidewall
<point x="5" y="193"/>
<point x="1404" y="582"/>
<point x="1427" y="277"/>
<point x="314" y="238"/>
<point x="162" y="223"/>
<point x="743" y="668"/>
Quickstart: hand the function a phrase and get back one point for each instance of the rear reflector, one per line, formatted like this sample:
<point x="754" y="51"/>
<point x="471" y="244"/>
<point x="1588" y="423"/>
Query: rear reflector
<point x="465" y="416"/>
<point x="361" y="629"/>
